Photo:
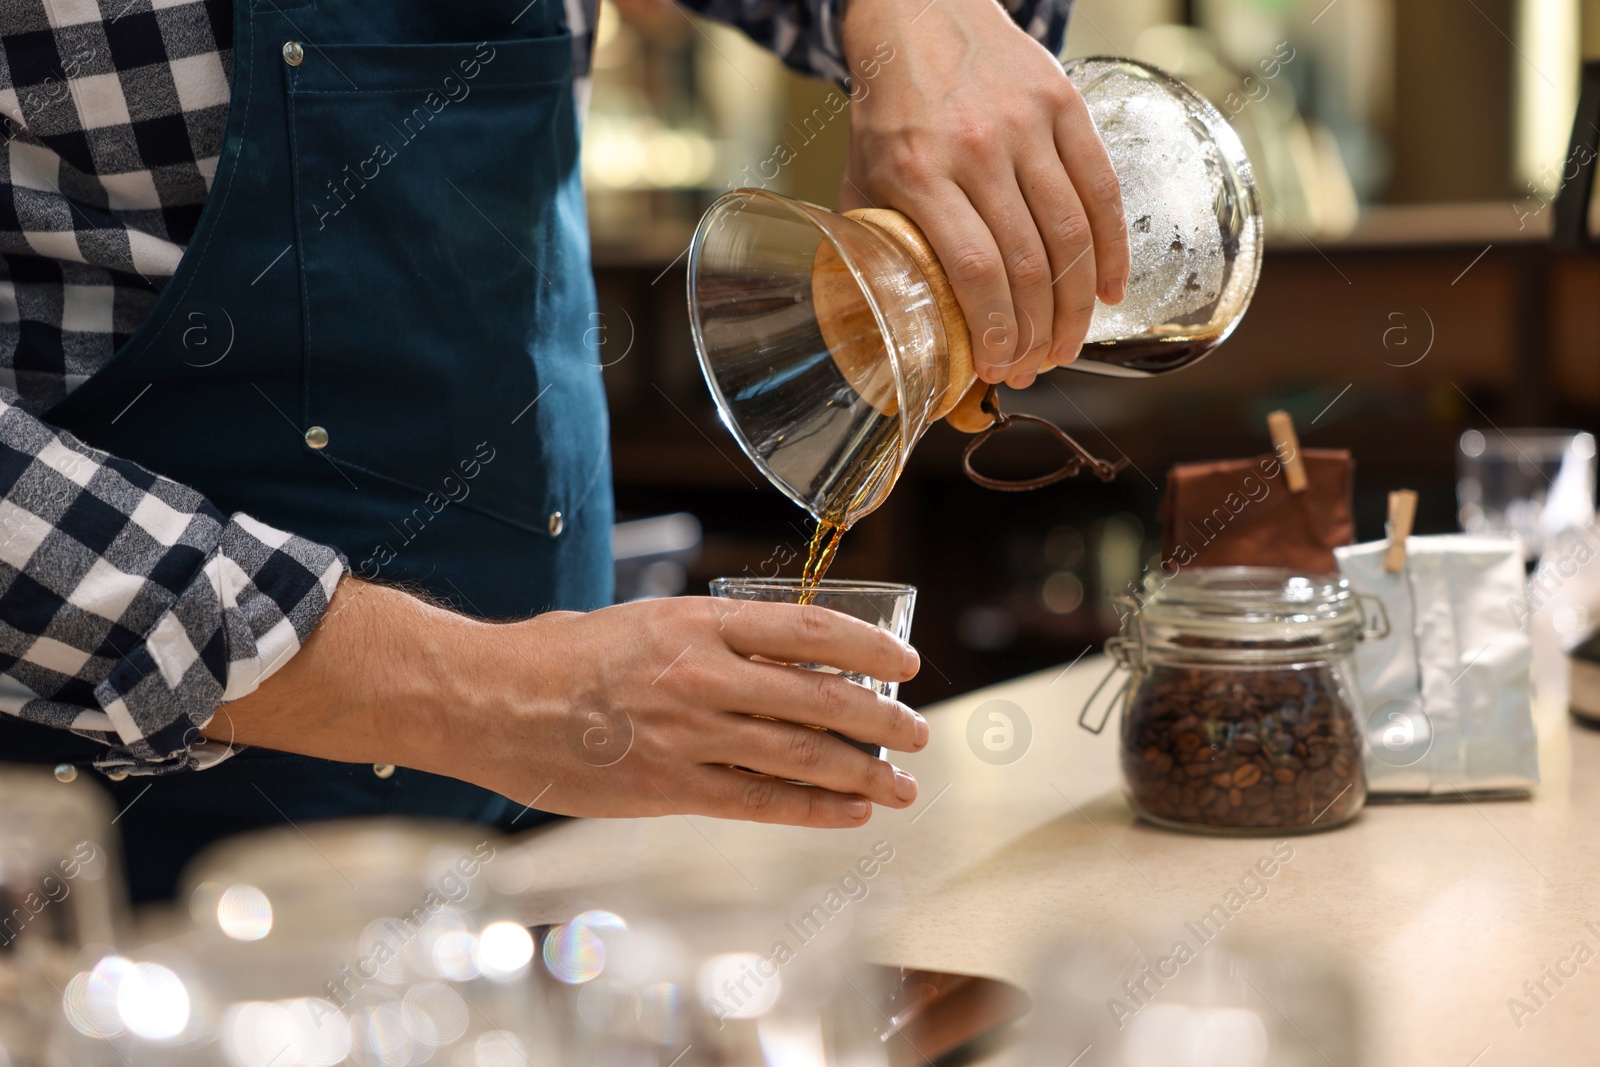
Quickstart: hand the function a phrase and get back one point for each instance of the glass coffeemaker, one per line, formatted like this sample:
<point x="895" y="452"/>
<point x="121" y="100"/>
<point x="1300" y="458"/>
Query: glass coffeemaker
<point x="832" y="342"/>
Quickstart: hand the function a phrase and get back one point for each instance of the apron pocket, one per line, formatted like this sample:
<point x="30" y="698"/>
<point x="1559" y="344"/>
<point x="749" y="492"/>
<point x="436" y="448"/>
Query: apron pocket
<point x="444" y="271"/>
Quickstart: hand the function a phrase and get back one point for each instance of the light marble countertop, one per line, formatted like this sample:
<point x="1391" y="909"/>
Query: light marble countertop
<point x="1439" y="911"/>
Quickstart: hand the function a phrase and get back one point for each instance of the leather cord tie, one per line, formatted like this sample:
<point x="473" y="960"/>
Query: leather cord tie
<point x="1079" y="459"/>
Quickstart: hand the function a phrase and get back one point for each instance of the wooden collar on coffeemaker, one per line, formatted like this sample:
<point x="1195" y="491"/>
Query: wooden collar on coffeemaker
<point x="851" y="332"/>
<point x="967" y="403"/>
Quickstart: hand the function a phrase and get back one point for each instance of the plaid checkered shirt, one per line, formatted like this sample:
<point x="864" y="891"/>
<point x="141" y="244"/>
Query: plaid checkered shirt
<point x="130" y="607"/>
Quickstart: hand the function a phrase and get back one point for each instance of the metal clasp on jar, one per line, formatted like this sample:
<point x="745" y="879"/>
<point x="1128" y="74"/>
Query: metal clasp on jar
<point x="1127" y="656"/>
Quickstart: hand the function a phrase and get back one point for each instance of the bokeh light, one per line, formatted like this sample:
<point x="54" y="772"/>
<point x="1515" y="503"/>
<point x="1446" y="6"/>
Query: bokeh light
<point x="90" y="1000"/>
<point x="244" y="913"/>
<point x="153" y="1002"/>
<point x="256" y="1033"/>
<point x="305" y="1032"/>
<point x="574" y="952"/>
<point x="736" y="985"/>
<point x="496" y="1048"/>
<point x="504" y="949"/>
<point x="380" y="1037"/>
<point x="455" y="955"/>
<point x="380" y="947"/>
<point x="445" y="946"/>
<point x="1062" y="592"/>
<point x="434" y="1013"/>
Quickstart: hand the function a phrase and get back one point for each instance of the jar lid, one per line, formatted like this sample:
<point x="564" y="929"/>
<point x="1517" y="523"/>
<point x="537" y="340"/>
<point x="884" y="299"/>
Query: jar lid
<point x="1249" y="610"/>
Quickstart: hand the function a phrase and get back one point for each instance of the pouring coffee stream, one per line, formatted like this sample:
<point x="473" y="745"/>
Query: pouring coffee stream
<point x="831" y="342"/>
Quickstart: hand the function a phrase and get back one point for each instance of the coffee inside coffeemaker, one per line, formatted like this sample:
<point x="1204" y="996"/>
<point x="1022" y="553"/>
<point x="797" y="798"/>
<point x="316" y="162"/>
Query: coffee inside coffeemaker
<point x="1154" y="354"/>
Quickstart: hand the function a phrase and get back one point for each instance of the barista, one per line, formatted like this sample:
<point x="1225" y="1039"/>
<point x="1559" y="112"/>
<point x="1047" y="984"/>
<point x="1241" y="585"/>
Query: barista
<point x="293" y="311"/>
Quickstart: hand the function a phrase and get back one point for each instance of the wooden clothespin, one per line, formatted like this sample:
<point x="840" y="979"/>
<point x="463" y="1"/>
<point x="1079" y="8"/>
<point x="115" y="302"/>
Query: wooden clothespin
<point x="1402" y="514"/>
<point x="1287" y="446"/>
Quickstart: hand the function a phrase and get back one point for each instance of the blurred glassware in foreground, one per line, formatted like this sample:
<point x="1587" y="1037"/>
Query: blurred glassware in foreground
<point x="883" y="604"/>
<point x="61" y="897"/>
<point x="832" y="342"/>
<point x="1198" y="999"/>
<point x="368" y="942"/>
<point x="1534" y="483"/>
<point x="662" y="977"/>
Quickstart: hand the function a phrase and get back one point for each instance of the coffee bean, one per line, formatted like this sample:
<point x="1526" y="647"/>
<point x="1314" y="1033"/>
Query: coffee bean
<point x="1258" y="749"/>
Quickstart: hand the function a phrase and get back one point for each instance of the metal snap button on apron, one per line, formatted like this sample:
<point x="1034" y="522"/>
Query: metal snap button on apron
<point x="66" y="772"/>
<point x="117" y="776"/>
<point x="293" y="54"/>
<point x="317" y="438"/>
<point x="557" y="524"/>
<point x="383" y="770"/>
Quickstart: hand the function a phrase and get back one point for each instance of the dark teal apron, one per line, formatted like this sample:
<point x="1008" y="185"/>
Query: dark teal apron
<point x="393" y="265"/>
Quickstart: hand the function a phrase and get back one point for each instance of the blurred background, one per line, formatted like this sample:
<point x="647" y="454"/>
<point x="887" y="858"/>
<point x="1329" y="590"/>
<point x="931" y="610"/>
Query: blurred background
<point x="1408" y="152"/>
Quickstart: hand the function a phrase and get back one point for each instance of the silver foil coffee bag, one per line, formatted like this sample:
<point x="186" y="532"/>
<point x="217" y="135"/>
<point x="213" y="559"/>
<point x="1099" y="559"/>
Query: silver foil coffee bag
<point x="1449" y="693"/>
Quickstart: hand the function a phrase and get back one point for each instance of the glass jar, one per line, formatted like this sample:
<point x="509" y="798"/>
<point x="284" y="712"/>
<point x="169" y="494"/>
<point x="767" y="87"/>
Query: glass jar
<point x="1242" y="716"/>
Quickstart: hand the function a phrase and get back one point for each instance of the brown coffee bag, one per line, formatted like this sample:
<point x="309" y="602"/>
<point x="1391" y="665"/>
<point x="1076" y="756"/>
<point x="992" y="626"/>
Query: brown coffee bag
<point x="1240" y="512"/>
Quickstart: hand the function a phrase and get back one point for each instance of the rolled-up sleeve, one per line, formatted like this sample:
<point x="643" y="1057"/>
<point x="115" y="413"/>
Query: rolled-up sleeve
<point x="131" y="608"/>
<point x="805" y="33"/>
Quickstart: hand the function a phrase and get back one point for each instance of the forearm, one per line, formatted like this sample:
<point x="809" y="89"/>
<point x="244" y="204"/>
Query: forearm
<point x="369" y="686"/>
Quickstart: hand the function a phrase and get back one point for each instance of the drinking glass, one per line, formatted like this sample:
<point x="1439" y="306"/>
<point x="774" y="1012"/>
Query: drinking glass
<point x="1534" y="483"/>
<point x="61" y="893"/>
<point x="669" y="975"/>
<point x="1199" y="998"/>
<point x="369" y="941"/>
<point x="885" y="605"/>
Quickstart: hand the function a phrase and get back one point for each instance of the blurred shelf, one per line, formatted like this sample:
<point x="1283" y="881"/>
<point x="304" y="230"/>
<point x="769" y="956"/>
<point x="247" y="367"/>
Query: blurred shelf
<point x="661" y="242"/>
<point x="1442" y="225"/>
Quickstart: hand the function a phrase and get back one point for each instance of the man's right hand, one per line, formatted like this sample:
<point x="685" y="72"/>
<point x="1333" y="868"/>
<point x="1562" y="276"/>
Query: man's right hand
<point x="639" y="709"/>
